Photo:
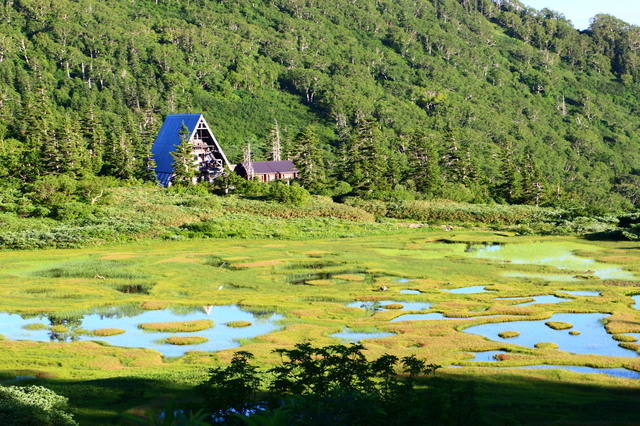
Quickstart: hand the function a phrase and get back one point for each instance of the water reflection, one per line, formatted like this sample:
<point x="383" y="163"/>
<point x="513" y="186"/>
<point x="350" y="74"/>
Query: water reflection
<point x="381" y="305"/>
<point x="581" y="293"/>
<point x="487" y="356"/>
<point x="557" y="255"/>
<point x="220" y="336"/>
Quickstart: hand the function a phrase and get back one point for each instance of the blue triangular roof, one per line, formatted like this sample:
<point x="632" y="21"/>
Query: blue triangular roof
<point x="167" y="140"/>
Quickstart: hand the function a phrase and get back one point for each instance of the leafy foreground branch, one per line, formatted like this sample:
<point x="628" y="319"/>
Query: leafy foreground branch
<point x="333" y="385"/>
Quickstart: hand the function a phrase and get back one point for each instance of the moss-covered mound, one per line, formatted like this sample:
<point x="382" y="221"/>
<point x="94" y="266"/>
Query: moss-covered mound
<point x="185" y="340"/>
<point x="105" y="332"/>
<point x="178" y="326"/>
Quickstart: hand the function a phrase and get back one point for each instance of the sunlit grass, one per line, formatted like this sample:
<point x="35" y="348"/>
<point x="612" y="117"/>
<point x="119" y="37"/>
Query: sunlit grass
<point x="558" y="325"/>
<point x="178" y="326"/>
<point x="208" y="272"/>
<point x="104" y="332"/>
<point x="185" y="340"/>
<point x="238" y="324"/>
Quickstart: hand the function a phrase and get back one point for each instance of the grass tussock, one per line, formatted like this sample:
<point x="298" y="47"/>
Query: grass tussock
<point x="508" y="334"/>
<point x="558" y="325"/>
<point x="394" y="306"/>
<point x="546" y="345"/>
<point x="177" y="327"/>
<point x="238" y="324"/>
<point x="625" y="338"/>
<point x="105" y="332"/>
<point x="185" y="340"/>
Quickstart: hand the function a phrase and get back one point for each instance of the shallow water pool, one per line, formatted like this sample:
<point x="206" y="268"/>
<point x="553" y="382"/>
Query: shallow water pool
<point x="220" y="335"/>
<point x="593" y="338"/>
<point x="550" y="298"/>
<point x="380" y="305"/>
<point x="557" y="255"/>
<point x="468" y="290"/>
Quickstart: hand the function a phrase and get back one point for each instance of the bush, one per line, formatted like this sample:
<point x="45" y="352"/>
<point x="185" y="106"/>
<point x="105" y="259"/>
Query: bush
<point x="292" y="194"/>
<point x="33" y="405"/>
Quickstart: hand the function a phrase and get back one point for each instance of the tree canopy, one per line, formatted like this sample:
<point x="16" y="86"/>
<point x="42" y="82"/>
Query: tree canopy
<point x="84" y="87"/>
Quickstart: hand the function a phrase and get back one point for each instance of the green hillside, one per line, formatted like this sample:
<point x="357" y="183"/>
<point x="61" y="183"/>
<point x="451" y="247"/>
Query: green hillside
<point x="477" y="101"/>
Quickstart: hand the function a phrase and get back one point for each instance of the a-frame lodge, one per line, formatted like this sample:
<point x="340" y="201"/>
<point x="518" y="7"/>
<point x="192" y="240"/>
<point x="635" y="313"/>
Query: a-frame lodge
<point x="209" y="159"/>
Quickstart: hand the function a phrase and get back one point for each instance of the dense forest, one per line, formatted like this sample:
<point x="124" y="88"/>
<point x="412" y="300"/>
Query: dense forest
<point x="471" y="100"/>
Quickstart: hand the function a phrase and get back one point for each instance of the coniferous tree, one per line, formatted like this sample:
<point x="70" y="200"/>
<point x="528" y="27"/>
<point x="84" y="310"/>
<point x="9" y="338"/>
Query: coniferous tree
<point x="364" y="164"/>
<point x="307" y="158"/>
<point x="533" y="183"/>
<point x="184" y="170"/>
<point x="38" y="131"/>
<point x="509" y="187"/>
<point x="424" y="167"/>
<point x="95" y="137"/>
<point x="452" y="159"/>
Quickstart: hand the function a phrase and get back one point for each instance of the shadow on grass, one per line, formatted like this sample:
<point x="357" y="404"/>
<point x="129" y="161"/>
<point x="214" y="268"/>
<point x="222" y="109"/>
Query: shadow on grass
<point x="458" y="398"/>
<point x="506" y="398"/>
<point x="103" y="401"/>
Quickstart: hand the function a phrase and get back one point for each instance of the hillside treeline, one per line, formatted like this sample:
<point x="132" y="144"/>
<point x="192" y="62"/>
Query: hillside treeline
<point x="472" y="100"/>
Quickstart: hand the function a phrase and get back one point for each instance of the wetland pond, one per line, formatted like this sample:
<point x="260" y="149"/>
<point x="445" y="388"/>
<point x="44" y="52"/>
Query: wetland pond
<point x="222" y="335"/>
<point x="554" y="254"/>
<point x="593" y="338"/>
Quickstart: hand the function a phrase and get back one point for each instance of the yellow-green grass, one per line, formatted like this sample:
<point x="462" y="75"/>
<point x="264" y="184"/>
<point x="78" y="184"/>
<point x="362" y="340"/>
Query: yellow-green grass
<point x="394" y="306"/>
<point x="185" y="340"/>
<point x="574" y="333"/>
<point x="238" y="324"/>
<point x="558" y="325"/>
<point x="546" y="345"/>
<point x="104" y="332"/>
<point x="625" y="338"/>
<point x="183" y="275"/>
<point x="508" y="334"/>
<point x="177" y="326"/>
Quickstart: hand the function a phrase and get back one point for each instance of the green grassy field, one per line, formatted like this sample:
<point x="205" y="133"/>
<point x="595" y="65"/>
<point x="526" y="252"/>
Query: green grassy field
<point x="310" y="282"/>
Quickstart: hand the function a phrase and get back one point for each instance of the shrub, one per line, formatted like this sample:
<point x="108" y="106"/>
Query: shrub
<point x="33" y="405"/>
<point x="292" y="194"/>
